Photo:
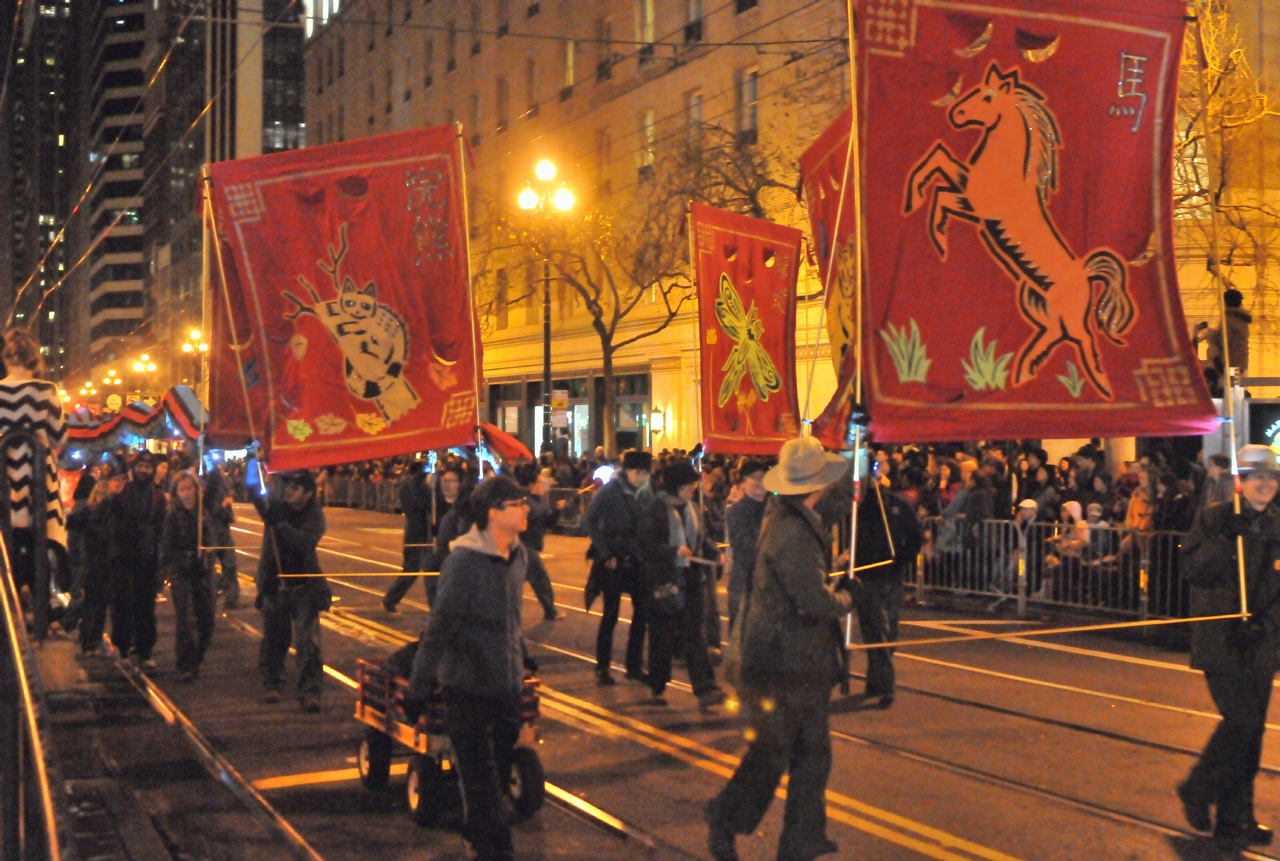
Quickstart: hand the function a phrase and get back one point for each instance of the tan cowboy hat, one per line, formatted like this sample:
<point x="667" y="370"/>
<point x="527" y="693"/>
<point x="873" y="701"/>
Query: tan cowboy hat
<point x="1257" y="458"/>
<point x="804" y="467"/>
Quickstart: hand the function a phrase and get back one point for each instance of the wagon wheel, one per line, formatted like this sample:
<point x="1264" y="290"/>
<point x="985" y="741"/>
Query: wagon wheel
<point x="373" y="759"/>
<point x="527" y="783"/>
<point x="426" y="790"/>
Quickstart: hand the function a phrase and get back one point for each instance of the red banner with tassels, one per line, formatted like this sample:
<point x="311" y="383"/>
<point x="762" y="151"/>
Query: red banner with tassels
<point x="746" y="271"/>
<point x="344" y="329"/>
<point x="1019" y="270"/>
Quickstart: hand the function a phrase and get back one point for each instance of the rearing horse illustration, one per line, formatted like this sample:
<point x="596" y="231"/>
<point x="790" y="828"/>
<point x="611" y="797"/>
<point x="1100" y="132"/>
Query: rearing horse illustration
<point x="1004" y="189"/>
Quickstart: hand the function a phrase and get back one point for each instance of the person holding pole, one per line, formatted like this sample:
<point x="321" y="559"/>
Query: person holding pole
<point x="1239" y="657"/>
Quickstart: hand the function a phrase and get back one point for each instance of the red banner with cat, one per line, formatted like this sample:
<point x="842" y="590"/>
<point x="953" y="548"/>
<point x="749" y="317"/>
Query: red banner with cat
<point x="1019" y="268"/>
<point x="344" y="330"/>
<point x="746" y="272"/>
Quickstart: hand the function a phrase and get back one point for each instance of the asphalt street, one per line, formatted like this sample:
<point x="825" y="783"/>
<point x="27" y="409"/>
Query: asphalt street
<point x="1067" y="748"/>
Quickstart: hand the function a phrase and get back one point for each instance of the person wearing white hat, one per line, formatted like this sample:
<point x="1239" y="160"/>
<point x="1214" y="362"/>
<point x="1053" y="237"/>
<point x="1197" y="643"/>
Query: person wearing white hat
<point x="790" y="661"/>
<point x="1239" y="657"/>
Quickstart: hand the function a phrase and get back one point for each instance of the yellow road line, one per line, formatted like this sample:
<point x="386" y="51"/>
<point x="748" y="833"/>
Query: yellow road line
<point x="341" y="775"/>
<point x="723" y="765"/>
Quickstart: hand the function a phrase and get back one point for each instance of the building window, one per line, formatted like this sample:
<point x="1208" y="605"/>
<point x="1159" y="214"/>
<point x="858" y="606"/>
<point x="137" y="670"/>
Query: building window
<point x="408" y="10"/>
<point x="604" y="156"/>
<point x="342" y="57"/>
<point x="408" y="78"/>
<point x="342" y="124"/>
<point x="647" y="153"/>
<point x="501" y="99"/>
<point x="749" y="107"/>
<point x="328" y="66"/>
<point x="475" y="28"/>
<point x="428" y="60"/>
<point x="740" y="6"/>
<point x="604" y="39"/>
<point x="390" y="15"/>
<point x="502" y="299"/>
<point x="534" y="8"/>
<point x="389" y="78"/>
<point x="450" y="46"/>
<point x="570" y="68"/>
<point x="373" y="100"/>
<point x="531" y="87"/>
<point x="373" y="26"/>
<point x="475" y="120"/>
<point x="646" y="30"/>
<point x="693" y="112"/>
<point x="504" y="17"/>
<point x="694" y="23"/>
<point x="319" y="73"/>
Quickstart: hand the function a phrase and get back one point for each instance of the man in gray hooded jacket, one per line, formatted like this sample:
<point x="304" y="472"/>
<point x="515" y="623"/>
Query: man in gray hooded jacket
<point x="474" y="648"/>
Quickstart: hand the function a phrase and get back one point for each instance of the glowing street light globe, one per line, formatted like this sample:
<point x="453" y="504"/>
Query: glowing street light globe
<point x="151" y="366"/>
<point x="139" y="367"/>
<point x="528" y="199"/>
<point x="563" y="199"/>
<point x="545" y="170"/>
<point x="195" y="334"/>
<point x="186" y="347"/>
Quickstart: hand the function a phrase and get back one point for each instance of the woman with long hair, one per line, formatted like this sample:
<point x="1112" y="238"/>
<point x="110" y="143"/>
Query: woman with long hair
<point x="189" y="573"/>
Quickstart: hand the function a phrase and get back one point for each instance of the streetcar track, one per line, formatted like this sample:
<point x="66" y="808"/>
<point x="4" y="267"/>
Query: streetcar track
<point x="559" y="797"/>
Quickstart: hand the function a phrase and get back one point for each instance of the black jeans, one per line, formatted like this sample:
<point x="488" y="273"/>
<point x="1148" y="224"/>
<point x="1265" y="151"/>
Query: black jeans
<point x="97" y="598"/>
<point x="193" y="609"/>
<point x="792" y="737"/>
<point x="879" y="608"/>
<point x="415" y="559"/>
<point x="614" y="583"/>
<point x="133" y="610"/>
<point x="686" y="630"/>
<point x="483" y="732"/>
<point x="291" y="619"/>
<point x="1225" y="773"/>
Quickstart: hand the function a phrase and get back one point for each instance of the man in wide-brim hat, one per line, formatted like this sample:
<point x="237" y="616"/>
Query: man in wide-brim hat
<point x="1239" y="657"/>
<point x="790" y="661"/>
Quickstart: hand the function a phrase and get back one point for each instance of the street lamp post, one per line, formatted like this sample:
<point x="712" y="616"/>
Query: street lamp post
<point x="558" y="200"/>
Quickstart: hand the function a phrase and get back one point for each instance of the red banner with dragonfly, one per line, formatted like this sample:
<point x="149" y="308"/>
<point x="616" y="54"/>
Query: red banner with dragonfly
<point x="1019" y="270"/>
<point x="746" y="271"/>
<point x="344" y="328"/>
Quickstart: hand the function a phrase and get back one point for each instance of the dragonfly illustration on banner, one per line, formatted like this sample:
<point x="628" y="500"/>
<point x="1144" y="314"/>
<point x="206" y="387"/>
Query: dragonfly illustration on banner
<point x="1005" y="188"/>
<point x="748" y="356"/>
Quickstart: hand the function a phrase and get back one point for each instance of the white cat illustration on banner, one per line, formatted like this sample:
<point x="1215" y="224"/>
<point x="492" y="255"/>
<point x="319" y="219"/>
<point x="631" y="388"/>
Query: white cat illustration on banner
<point x="373" y="338"/>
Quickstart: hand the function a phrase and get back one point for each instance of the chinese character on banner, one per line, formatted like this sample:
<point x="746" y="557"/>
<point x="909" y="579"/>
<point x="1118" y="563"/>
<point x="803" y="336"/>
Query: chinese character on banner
<point x="1019" y="272"/>
<point x="746" y="271"/>
<point x="344" y="330"/>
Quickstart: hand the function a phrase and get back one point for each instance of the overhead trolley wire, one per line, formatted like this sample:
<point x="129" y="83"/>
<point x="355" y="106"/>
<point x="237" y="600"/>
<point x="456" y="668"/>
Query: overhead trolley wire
<point x="102" y="167"/>
<point x="159" y="168"/>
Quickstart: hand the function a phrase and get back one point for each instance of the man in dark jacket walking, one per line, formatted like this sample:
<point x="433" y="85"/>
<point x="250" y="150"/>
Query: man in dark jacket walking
<point x="293" y="526"/>
<point x="136" y="521"/>
<point x="613" y="522"/>
<point x="1239" y="658"/>
<point x="542" y="517"/>
<point x="473" y="648"/>
<point x="419" y="529"/>
<point x="744" y="518"/>
<point x="791" y="659"/>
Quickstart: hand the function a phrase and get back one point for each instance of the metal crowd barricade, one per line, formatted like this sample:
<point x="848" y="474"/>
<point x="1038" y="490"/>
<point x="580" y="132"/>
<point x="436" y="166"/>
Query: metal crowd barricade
<point x="1098" y="568"/>
<point x="27" y="803"/>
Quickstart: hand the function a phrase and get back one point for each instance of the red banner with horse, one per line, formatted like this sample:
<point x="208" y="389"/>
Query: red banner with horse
<point x="344" y="328"/>
<point x="1019" y="270"/>
<point x="746" y="271"/>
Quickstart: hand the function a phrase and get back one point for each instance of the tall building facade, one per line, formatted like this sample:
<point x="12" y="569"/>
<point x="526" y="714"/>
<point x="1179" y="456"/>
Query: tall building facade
<point x="38" y="159"/>
<point x="599" y="87"/>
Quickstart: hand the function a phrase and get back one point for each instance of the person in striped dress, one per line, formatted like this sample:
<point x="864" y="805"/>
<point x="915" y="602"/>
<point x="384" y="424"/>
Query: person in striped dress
<point x="30" y="403"/>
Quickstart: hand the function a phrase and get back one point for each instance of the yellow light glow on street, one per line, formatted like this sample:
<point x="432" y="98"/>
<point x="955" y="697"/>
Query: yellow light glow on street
<point x="528" y="198"/>
<point x="545" y="170"/>
<point x="186" y="347"/>
<point x="563" y="199"/>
